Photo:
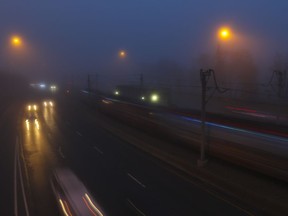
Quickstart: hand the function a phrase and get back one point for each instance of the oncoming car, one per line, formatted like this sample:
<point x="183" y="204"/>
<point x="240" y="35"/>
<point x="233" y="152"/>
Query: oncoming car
<point x="32" y="107"/>
<point x="48" y="103"/>
<point x="31" y="120"/>
<point x="72" y="196"/>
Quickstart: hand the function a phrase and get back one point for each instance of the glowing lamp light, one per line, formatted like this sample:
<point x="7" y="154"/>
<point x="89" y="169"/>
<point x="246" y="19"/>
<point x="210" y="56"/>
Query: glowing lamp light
<point x="122" y="54"/>
<point x="154" y="98"/>
<point x="224" y="33"/>
<point x="42" y="85"/>
<point x="53" y="88"/>
<point x="16" y="41"/>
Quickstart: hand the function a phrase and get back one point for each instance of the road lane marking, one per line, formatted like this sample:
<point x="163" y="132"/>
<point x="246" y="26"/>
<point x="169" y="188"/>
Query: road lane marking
<point x="79" y="133"/>
<point x="15" y="181"/>
<point x="22" y="185"/>
<point x="136" y="180"/>
<point x="60" y="152"/>
<point x="98" y="150"/>
<point x="137" y="209"/>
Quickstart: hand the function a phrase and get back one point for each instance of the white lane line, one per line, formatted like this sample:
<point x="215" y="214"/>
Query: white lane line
<point x="15" y="181"/>
<point x="22" y="185"/>
<point x="137" y="209"/>
<point x="60" y="152"/>
<point x="79" y="133"/>
<point x="136" y="180"/>
<point x="98" y="150"/>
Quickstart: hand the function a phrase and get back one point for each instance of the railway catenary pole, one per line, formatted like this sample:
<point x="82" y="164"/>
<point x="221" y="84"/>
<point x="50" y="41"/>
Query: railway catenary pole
<point x="204" y="76"/>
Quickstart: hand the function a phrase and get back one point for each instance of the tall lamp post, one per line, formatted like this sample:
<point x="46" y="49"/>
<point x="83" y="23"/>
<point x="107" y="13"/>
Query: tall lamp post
<point x="223" y="34"/>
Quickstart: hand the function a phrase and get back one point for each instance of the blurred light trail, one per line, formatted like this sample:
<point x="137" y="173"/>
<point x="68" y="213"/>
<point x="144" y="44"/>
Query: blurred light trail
<point x="91" y="206"/>
<point x="37" y="124"/>
<point x="63" y="208"/>
<point x="27" y="124"/>
<point x="271" y="137"/>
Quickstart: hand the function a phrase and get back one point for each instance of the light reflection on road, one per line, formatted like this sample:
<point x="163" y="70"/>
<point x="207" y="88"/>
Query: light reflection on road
<point x="40" y="159"/>
<point x="49" y="115"/>
<point x="32" y="136"/>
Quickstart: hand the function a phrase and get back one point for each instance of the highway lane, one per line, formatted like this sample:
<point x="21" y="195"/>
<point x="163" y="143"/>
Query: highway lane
<point x="40" y="159"/>
<point x="123" y="178"/>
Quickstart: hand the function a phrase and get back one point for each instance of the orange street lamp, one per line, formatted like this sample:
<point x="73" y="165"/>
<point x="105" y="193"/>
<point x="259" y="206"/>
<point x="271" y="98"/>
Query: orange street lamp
<point x="16" y="41"/>
<point x="122" y="54"/>
<point x="224" y="33"/>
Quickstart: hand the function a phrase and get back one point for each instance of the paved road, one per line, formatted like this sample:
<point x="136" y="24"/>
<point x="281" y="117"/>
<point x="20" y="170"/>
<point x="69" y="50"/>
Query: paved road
<point x="123" y="180"/>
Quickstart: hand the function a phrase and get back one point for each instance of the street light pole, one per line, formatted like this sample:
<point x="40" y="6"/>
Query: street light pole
<point x="224" y="34"/>
<point x="204" y="76"/>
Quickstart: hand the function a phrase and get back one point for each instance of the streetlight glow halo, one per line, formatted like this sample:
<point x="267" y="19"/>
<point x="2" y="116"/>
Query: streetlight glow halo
<point x="224" y="33"/>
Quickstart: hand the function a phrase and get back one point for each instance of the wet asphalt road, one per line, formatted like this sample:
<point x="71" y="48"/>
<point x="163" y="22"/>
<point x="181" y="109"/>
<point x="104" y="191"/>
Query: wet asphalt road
<point x="123" y="179"/>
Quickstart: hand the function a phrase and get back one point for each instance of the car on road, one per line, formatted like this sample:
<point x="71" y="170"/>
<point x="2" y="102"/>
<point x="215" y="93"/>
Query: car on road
<point x="72" y="196"/>
<point x="32" y="107"/>
<point x="32" y="120"/>
<point x="48" y="103"/>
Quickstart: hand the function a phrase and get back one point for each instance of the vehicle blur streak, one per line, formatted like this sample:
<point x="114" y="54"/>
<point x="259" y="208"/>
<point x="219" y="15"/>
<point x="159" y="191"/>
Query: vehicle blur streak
<point x="91" y="204"/>
<point x="37" y="124"/>
<point x="64" y="209"/>
<point x="27" y="125"/>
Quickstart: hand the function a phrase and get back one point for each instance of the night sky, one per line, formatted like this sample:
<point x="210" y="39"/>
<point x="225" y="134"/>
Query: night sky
<point x="80" y="36"/>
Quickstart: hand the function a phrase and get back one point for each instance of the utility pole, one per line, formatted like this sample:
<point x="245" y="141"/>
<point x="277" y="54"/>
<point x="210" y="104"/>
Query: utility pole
<point x="204" y="76"/>
<point x="281" y="78"/>
<point x="281" y="75"/>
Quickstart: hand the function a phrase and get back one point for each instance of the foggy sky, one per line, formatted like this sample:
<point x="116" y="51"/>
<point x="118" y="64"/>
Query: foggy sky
<point x="81" y="36"/>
